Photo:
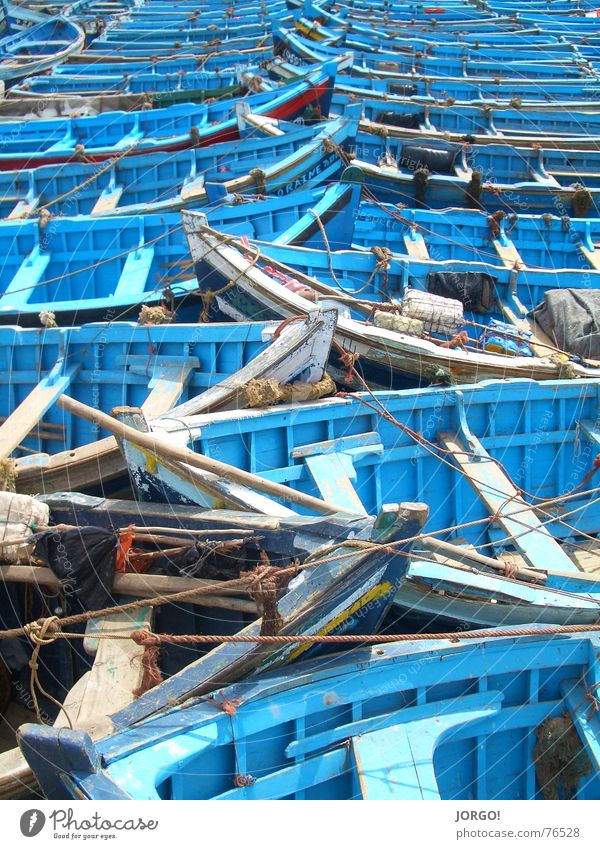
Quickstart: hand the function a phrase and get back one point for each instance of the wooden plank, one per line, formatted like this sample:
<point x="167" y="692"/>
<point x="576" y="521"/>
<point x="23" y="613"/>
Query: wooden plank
<point x="519" y="521"/>
<point x="23" y="209"/>
<point x="193" y="188"/>
<point x="540" y="343"/>
<point x="166" y="387"/>
<point x="593" y="257"/>
<point x="416" y="247"/>
<point x="29" y="412"/>
<point x="108" y="201"/>
<point x="144" y="586"/>
<point x="585" y="719"/>
<point x="367" y="442"/>
<point x="116" y="671"/>
<point x="508" y="253"/>
<point x="331" y="473"/>
<point x="107" y="687"/>
<point x="399" y="760"/>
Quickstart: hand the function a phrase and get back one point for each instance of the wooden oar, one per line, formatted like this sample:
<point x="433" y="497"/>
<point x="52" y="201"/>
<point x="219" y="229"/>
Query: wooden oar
<point x="161" y="447"/>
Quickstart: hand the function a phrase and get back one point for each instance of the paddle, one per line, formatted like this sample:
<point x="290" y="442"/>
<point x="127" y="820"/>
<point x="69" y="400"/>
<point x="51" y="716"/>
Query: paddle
<point x="162" y="448"/>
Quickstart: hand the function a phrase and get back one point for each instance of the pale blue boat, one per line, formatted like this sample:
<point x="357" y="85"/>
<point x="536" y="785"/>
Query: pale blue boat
<point x="465" y="719"/>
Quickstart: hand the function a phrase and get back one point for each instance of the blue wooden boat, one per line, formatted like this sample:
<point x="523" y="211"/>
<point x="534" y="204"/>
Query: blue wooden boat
<point x="379" y="68"/>
<point x="337" y="597"/>
<point x="100" y="138"/>
<point x="105" y="51"/>
<point x="475" y="124"/>
<point x="128" y="261"/>
<point x="436" y="174"/>
<point x="266" y="289"/>
<point x="39" y="47"/>
<point x="177" y="368"/>
<point x="509" y="720"/>
<point x="299" y="157"/>
<point x="196" y="86"/>
<point x="446" y="585"/>
<point x="522" y="258"/>
<point x="492" y="482"/>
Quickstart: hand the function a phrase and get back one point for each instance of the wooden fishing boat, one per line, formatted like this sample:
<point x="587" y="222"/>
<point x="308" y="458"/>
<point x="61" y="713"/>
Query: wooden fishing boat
<point x="320" y="734"/>
<point x="447" y="585"/>
<point x="267" y="289"/>
<point x="483" y="481"/>
<point x="202" y="85"/>
<point x="436" y="174"/>
<point x="268" y="160"/>
<point x="475" y="124"/>
<point x="501" y="269"/>
<point x="163" y="368"/>
<point x="100" y="138"/>
<point x="379" y="69"/>
<point x="39" y="47"/>
<point x="339" y="597"/>
<point x="146" y="257"/>
<point x="107" y="52"/>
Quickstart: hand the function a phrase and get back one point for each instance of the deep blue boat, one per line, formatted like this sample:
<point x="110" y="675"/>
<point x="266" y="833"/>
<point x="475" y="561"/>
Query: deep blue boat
<point x="39" y="47"/>
<point x="436" y="174"/>
<point x="399" y="117"/>
<point x="484" y="719"/>
<point x="380" y="68"/>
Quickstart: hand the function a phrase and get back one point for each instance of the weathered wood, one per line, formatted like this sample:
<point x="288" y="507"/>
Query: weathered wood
<point x="505" y="503"/>
<point x="29" y="412"/>
<point x="159" y="446"/>
<point x="116" y="671"/>
<point x="107" y="687"/>
<point x="143" y="586"/>
<point x="471" y="557"/>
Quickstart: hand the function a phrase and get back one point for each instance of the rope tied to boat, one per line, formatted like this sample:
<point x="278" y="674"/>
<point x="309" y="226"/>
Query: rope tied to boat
<point x="473" y="190"/>
<point x="420" y="181"/>
<point x="47" y="318"/>
<point x="259" y="177"/>
<point x="42" y="632"/>
<point x="263" y="590"/>
<point x="581" y="201"/>
<point x="494" y="221"/>
<point x="151" y="674"/>
<point x="348" y="359"/>
<point x="566" y="369"/>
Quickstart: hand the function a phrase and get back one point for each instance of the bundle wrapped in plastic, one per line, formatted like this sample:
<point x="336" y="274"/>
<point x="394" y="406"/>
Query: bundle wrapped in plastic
<point x="399" y="323"/>
<point x="437" y="314"/>
<point x="20" y="516"/>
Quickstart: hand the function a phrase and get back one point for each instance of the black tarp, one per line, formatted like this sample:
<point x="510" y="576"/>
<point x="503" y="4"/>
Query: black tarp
<point x="475" y="290"/>
<point x="408" y="120"/>
<point x="571" y="318"/>
<point x="84" y="561"/>
<point x="436" y="161"/>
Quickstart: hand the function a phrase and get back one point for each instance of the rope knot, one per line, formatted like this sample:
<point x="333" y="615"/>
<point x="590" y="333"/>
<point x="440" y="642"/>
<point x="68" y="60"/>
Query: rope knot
<point x="42" y="632"/>
<point x="241" y="780"/>
<point x="263" y="585"/>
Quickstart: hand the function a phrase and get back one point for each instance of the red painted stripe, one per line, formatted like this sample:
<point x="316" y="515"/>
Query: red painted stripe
<point x="291" y="108"/>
